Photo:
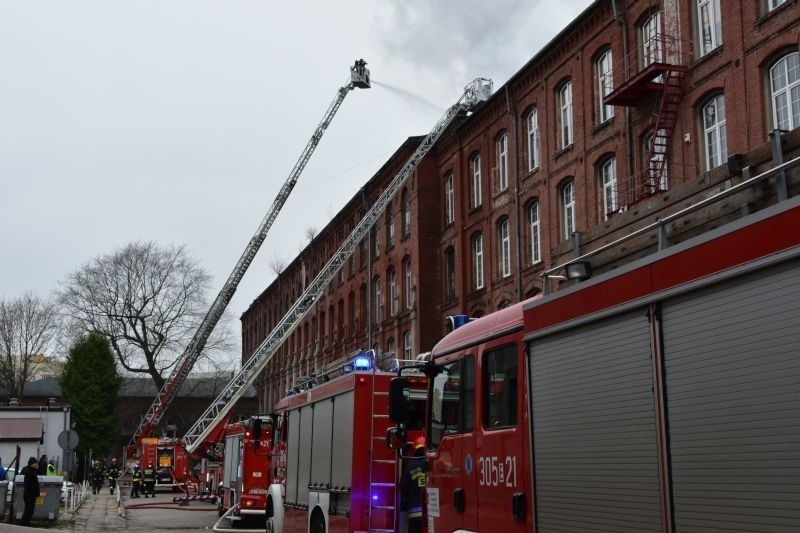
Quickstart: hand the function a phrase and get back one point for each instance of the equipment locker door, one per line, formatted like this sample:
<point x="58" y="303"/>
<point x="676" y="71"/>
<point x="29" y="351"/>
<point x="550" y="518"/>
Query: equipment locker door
<point x="733" y="403"/>
<point x="594" y="428"/>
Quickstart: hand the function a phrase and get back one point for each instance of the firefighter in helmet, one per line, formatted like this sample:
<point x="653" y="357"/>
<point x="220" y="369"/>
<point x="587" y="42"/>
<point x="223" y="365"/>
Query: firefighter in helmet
<point x="136" y="481"/>
<point x="113" y="472"/>
<point x="149" y="480"/>
<point x="411" y="484"/>
<point x="96" y="475"/>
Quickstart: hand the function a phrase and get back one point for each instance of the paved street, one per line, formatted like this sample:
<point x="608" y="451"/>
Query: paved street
<point x="101" y="513"/>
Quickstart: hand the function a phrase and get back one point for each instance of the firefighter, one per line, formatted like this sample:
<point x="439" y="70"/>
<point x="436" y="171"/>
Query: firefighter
<point x="96" y="475"/>
<point x="149" y="480"/>
<point x="136" y="481"/>
<point x="113" y="473"/>
<point x="411" y="484"/>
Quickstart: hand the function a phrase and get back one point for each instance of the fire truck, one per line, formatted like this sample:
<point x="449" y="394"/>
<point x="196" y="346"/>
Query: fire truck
<point x="333" y="470"/>
<point x="168" y="457"/>
<point x="661" y="396"/>
<point x="359" y="78"/>
<point x="246" y="467"/>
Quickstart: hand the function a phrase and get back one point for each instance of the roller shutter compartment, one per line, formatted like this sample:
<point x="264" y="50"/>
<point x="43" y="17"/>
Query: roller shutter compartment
<point x="293" y="446"/>
<point x="342" y="448"/>
<point x="732" y="359"/>
<point x="304" y="453"/>
<point x="321" y="446"/>
<point x="594" y="428"/>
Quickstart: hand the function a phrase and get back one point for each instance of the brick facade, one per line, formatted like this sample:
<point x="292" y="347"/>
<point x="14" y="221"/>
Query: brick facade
<point x="731" y="64"/>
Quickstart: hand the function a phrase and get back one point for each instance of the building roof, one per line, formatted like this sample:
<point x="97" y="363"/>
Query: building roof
<point x="207" y="387"/>
<point x="20" y="429"/>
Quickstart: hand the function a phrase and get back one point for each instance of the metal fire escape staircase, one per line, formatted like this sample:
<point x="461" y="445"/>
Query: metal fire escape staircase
<point x="474" y="94"/>
<point x="359" y="77"/>
<point x="662" y="74"/>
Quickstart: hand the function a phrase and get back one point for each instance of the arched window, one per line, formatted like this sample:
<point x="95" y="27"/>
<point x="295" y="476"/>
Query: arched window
<point x="535" y="229"/>
<point x="715" y="138"/>
<point x="407" y="347"/>
<point x="389" y="225"/>
<point x="568" y="209"/>
<point x="650" y="40"/>
<point x="502" y="162"/>
<point x="565" y="113"/>
<point x="475" y="170"/>
<point x="607" y="171"/>
<point x="450" y="273"/>
<point x="504" y="248"/>
<point x="377" y="300"/>
<point x="477" y="261"/>
<point x="409" y="283"/>
<point x="392" y="290"/>
<point x="605" y="84"/>
<point x="406" y="213"/>
<point x="449" y="200"/>
<point x="784" y="82"/>
<point x="532" y="121"/>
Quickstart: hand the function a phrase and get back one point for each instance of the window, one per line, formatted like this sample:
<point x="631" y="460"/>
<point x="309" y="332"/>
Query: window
<point x="709" y="25"/>
<point x="502" y="162"/>
<point x="605" y="84"/>
<point x="477" y="261"/>
<point x="377" y="303"/>
<point x="374" y="241"/>
<point x="533" y="139"/>
<point x="409" y="283"/>
<point x="608" y="183"/>
<point x="784" y="79"/>
<point x="565" y="113"/>
<point x="407" y="348"/>
<point x="475" y="169"/>
<point x="406" y="213"/>
<point x="535" y="232"/>
<point x="364" y="314"/>
<point x="656" y="154"/>
<point x="715" y="138"/>
<point x="389" y="225"/>
<point x="449" y="200"/>
<point x="393" y="297"/>
<point x="450" y="273"/>
<point x="504" y="251"/>
<point x="351" y="308"/>
<point x="568" y="209"/>
<point x="500" y="388"/>
<point x="775" y="3"/>
<point x="362" y="253"/>
<point x="650" y="39"/>
<point x="452" y="409"/>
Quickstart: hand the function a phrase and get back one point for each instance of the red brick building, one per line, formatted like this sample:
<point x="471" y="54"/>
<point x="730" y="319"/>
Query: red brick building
<point x="635" y="110"/>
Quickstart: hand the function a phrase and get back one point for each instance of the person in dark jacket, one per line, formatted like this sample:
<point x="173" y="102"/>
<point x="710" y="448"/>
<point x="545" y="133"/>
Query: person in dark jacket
<point x="137" y="481"/>
<point x="113" y="473"/>
<point x="31" y="490"/>
<point x="96" y="475"/>
<point x="149" y="480"/>
<point x="412" y="482"/>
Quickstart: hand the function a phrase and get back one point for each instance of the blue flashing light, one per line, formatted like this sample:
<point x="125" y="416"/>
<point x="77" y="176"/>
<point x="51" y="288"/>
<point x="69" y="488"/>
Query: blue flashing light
<point x="362" y="363"/>
<point x="374" y="497"/>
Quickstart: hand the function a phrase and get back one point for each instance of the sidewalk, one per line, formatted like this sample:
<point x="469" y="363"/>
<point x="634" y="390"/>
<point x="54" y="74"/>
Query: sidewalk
<point x="98" y="513"/>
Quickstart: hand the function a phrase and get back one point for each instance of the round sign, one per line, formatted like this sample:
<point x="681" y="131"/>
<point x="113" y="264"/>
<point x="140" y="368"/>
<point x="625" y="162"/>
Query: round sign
<point x="68" y="439"/>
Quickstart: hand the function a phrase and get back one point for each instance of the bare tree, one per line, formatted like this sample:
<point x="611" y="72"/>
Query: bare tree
<point x="148" y="301"/>
<point x="277" y="264"/>
<point x="311" y="233"/>
<point x="29" y="326"/>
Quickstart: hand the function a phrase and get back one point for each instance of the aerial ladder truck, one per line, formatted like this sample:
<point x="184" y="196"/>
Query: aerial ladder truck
<point x="167" y="454"/>
<point x="202" y="431"/>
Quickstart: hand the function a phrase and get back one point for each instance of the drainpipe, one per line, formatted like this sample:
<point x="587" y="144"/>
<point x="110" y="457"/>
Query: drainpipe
<point x="512" y="111"/>
<point x="619" y="17"/>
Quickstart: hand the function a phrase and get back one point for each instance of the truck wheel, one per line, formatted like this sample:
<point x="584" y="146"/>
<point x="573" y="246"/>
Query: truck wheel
<point x="317" y="524"/>
<point x="270" y="524"/>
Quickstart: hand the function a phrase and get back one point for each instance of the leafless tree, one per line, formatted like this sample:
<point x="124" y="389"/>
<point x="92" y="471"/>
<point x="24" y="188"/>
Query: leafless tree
<point x="277" y="264"/>
<point x="311" y="233"/>
<point x="29" y="326"/>
<point x="149" y="301"/>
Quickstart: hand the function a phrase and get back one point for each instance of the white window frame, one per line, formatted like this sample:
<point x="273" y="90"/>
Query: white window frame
<point x="568" y="208"/>
<point x="712" y="115"/>
<point x="504" y="252"/>
<point x="785" y="92"/>
<point x="389" y="225"/>
<point x="393" y="297"/>
<point x="608" y="182"/>
<point x="406" y="201"/>
<point x="655" y="157"/>
<point x="605" y="84"/>
<point x="533" y="139"/>
<point x="477" y="262"/>
<point x="709" y="25"/>
<point x="475" y="169"/>
<point x="376" y="294"/>
<point x="409" y="283"/>
<point x="535" y="228"/>
<point x="407" y="351"/>
<point x="449" y="199"/>
<point x="774" y="4"/>
<point x="652" y="50"/>
<point x="565" y="113"/>
<point x="502" y="162"/>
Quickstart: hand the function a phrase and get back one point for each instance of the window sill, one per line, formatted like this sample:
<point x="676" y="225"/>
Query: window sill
<point x="603" y="125"/>
<point x="563" y="151"/>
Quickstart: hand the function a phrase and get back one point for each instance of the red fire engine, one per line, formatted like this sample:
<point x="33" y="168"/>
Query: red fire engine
<point x="333" y="470"/>
<point x="168" y="457"/>
<point x="246" y="469"/>
<point x="662" y="396"/>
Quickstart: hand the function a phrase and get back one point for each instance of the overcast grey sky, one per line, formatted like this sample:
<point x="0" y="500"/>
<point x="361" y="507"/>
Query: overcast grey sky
<point x="177" y="121"/>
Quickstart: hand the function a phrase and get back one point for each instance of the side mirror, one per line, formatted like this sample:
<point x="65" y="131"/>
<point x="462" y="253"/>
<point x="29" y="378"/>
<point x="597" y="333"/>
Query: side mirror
<point x="396" y="438"/>
<point x="399" y="400"/>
